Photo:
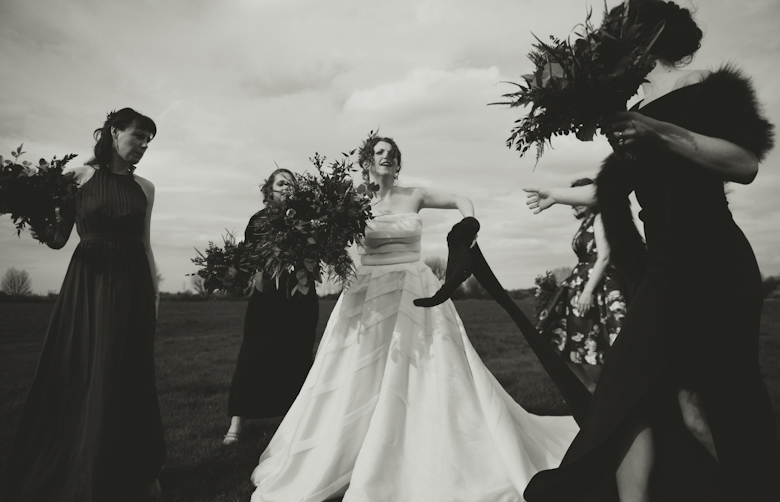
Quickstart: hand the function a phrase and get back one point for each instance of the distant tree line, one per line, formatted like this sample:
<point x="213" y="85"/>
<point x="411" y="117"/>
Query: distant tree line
<point x="16" y="286"/>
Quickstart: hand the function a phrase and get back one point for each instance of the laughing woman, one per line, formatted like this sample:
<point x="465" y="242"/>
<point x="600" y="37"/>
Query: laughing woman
<point x="398" y="405"/>
<point x="90" y="430"/>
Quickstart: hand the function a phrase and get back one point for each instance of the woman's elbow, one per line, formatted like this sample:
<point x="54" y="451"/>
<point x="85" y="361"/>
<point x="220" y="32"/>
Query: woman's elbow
<point x="56" y="244"/>
<point x="748" y="170"/>
<point x="750" y="174"/>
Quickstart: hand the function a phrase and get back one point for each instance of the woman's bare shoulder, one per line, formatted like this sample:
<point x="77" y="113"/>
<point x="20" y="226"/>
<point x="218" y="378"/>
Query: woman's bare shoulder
<point x="81" y="173"/>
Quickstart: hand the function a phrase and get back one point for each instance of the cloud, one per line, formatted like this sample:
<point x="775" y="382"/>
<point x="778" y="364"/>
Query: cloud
<point x="236" y="86"/>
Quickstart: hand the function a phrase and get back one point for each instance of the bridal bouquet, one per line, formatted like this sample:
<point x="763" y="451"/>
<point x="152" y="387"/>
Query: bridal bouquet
<point x="576" y="85"/>
<point x="35" y="194"/>
<point x="228" y="269"/>
<point x="304" y="233"/>
<point x="310" y="229"/>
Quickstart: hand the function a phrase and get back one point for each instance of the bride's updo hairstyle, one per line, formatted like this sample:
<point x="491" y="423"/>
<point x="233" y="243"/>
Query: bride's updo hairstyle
<point x="122" y="119"/>
<point x="680" y="38"/>
<point x="366" y="154"/>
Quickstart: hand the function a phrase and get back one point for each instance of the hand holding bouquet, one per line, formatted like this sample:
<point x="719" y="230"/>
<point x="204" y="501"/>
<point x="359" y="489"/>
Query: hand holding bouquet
<point x="36" y="195"/>
<point x="311" y="227"/>
<point x="576" y="85"/>
<point x="303" y="232"/>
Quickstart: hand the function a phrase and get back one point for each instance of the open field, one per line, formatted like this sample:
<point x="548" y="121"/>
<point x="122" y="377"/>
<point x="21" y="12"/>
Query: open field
<point x="197" y="346"/>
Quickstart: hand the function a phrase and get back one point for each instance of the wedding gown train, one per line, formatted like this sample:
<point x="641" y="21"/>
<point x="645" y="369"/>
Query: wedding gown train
<point x="398" y="405"/>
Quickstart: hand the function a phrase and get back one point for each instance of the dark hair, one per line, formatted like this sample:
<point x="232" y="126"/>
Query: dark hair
<point x="581" y="183"/>
<point x="266" y="186"/>
<point x="122" y="119"/>
<point x="680" y="38"/>
<point x="366" y="153"/>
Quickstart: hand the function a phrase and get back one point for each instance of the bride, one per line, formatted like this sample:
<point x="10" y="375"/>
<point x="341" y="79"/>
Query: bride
<point x="398" y="405"/>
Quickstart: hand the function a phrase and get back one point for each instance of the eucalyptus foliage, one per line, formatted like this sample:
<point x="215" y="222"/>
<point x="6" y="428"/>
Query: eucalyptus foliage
<point x="35" y="195"/>
<point x="576" y="85"/>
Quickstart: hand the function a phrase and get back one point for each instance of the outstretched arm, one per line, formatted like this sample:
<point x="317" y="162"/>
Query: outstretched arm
<point x="729" y="161"/>
<point x="540" y="199"/>
<point x="432" y="199"/>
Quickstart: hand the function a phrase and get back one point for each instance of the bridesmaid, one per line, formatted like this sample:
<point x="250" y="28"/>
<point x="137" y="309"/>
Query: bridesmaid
<point x="584" y="317"/>
<point x="681" y="411"/>
<point x="279" y="328"/>
<point x="90" y="429"/>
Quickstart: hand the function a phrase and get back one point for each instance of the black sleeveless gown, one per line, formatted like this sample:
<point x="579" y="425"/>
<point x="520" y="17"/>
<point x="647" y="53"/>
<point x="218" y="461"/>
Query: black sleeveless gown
<point x="276" y="351"/>
<point x="693" y="323"/>
<point x="91" y="429"/>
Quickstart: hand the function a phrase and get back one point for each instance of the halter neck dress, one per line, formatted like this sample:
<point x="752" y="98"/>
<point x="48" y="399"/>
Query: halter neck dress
<point x="91" y="429"/>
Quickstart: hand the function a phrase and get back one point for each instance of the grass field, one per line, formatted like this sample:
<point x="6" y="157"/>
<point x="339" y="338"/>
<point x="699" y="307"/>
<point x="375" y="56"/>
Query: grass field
<point x="197" y="346"/>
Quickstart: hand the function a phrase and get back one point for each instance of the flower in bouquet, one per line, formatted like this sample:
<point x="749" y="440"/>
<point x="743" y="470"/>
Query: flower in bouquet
<point x="546" y="287"/>
<point x="307" y="232"/>
<point x="228" y="269"/>
<point x="576" y="85"/>
<point x="36" y="195"/>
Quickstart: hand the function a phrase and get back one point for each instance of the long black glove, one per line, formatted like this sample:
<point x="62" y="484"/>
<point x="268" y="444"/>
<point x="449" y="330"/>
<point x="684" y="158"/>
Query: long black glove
<point x="467" y="260"/>
<point x="458" y="262"/>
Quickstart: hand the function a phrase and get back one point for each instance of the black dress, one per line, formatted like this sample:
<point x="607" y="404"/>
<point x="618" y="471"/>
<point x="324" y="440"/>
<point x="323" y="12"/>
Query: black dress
<point x="693" y="323"/>
<point x="90" y="429"/>
<point x="276" y="353"/>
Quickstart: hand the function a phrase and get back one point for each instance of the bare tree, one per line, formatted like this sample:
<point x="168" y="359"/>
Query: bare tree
<point x="16" y="282"/>
<point x="473" y="289"/>
<point x="438" y="266"/>
<point x="199" y="285"/>
<point x="160" y="277"/>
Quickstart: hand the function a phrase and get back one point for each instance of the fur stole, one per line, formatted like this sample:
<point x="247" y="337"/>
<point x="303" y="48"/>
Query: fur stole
<point x="729" y="110"/>
<point x="732" y="112"/>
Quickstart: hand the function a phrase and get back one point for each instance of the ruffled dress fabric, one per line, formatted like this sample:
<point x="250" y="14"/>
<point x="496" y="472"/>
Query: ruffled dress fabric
<point x="91" y="428"/>
<point x="398" y="405"/>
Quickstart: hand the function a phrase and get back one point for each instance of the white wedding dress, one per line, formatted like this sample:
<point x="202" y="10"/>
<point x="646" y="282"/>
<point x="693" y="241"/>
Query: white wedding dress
<point x="398" y="406"/>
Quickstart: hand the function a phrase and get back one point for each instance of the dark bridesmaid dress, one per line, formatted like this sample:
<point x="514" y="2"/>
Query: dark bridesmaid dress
<point x="276" y="352"/>
<point x="584" y="337"/>
<point x="90" y="430"/>
<point x="693" y="323"/>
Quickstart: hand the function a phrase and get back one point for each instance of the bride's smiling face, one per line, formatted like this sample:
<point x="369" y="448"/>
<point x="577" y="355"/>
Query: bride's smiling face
<point x="385" y="160"/>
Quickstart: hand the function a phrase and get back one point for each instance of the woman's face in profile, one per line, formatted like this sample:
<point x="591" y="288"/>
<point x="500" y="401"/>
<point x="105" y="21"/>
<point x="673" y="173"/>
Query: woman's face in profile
<point x="281" y="185"/>
<point x="131" y="144"/>
<point x="580" y="211"/>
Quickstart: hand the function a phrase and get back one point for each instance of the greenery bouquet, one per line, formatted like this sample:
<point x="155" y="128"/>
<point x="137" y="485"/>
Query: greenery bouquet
<point x="36" y="195"/>
<point x="305" y="233"/>
<point x="546" y="288"/>
<point x="228" y="269"/>
<point x="575" y="85"/>
<point x="309" y="230"/>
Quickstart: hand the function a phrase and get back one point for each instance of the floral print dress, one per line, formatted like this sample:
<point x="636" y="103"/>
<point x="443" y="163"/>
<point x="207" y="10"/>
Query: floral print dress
<point x="584" y="337"/>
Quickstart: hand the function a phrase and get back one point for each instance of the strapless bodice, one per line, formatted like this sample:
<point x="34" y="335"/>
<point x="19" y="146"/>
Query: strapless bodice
<point x="391" y="239"/>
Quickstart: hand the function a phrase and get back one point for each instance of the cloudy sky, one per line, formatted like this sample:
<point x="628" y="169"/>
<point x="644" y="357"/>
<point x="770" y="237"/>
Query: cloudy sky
<point x="237" y="85"/>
